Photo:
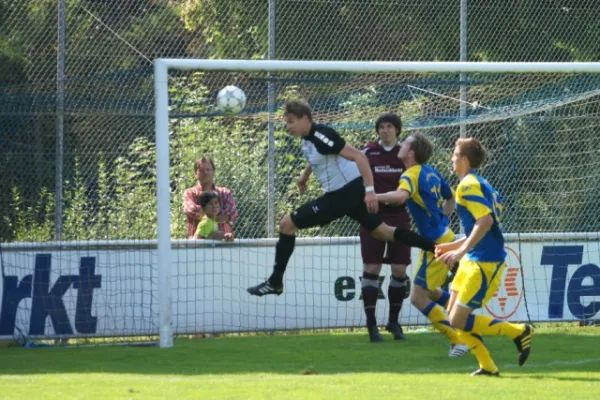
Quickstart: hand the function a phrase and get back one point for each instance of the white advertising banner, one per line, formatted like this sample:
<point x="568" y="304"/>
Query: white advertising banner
<point x="112" y="289"/>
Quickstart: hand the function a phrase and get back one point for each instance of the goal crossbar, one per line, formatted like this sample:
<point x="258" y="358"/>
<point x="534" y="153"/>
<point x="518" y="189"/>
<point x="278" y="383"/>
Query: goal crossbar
<point x="376" y="66"/>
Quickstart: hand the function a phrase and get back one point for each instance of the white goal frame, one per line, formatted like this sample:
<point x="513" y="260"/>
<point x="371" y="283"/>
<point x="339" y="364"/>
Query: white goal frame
<point x="161" y="72"/>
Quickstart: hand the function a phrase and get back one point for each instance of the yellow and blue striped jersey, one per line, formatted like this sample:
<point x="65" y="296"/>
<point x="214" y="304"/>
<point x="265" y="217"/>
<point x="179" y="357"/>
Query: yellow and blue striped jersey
<point x="476" y="198"/>
<point x="428" y="190"/>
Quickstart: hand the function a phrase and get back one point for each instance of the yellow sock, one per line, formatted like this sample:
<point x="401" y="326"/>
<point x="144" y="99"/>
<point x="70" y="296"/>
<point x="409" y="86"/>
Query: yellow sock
<point x="438" y="318"/>
<point x="479" y="351"/>
<point x="484" y="325"/>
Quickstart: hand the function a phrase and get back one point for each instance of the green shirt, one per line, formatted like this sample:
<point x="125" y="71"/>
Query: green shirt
<point x="206" y="227"/>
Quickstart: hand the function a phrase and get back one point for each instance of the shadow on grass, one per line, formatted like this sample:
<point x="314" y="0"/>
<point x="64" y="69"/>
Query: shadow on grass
<point x="317" y="354"/>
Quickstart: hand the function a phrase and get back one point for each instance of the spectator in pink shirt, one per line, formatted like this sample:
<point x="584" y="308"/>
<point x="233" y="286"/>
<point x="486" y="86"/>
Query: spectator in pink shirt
<point x="204" y="169"/>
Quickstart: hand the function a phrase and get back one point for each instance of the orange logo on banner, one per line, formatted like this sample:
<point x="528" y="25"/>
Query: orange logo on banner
<point x="510" y="292"/>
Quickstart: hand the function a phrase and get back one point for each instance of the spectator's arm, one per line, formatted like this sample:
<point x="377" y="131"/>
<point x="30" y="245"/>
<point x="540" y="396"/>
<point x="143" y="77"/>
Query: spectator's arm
<point x="216" y="235"/>
<point x="190" y="207"/>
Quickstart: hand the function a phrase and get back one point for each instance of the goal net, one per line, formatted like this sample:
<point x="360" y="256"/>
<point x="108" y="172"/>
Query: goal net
<point x="124" y="266"/>
<point x="540" y="130"/>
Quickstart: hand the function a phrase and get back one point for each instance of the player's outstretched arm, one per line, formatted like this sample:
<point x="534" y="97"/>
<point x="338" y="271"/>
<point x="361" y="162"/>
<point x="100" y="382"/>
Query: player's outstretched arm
<point x="349" y="152"/>
<point x="449" y="206"/>
<point x="393" y="197"/>
<point x="446" y="247"/>
<point x="303" y="179"/>
<point x="481" y="227"/>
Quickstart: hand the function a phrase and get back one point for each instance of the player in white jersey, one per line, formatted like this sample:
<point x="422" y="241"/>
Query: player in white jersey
<point x="346" y="178"/>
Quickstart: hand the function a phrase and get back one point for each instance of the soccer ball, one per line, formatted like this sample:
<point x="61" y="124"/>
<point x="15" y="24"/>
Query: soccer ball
<point x="231" y="100"/>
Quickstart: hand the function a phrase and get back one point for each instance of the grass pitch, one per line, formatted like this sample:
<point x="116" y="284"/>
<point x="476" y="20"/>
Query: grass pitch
<point x="565" y="364"/>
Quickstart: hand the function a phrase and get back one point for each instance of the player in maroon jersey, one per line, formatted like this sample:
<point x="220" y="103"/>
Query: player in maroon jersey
<point x="387" y="168"/>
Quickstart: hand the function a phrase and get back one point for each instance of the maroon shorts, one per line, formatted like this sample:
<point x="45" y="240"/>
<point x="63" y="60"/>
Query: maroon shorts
<point x="375" y="251"/>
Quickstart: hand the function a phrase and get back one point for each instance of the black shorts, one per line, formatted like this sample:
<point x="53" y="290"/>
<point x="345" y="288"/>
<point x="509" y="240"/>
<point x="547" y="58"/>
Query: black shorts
<point x="349" y="200"/>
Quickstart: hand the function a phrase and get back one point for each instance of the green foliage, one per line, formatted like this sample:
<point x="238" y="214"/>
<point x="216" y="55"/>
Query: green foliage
<point x="133" y="208"/>
<point x="109" y="187"/>
<point x="228" y="29"/>
<point x="31" y="224"/>
<point x="76" y="212"/>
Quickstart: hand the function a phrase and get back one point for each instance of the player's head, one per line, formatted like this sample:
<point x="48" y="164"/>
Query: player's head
<point x="468" y="154"/>
<point x="415" y="149"/>
<point x="298" y="117"/>
<point x="209" y="201"/>
<point x="204" y="168"/>
<point x="388" y="127"/>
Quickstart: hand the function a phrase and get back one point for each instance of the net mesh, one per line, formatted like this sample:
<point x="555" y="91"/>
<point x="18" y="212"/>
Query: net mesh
<point x="531" y="124"/>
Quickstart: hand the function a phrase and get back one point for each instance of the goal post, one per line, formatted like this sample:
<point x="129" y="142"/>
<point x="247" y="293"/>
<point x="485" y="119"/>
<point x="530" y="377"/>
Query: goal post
<point x="163" y="202"/>
<point x="505" y="104"/>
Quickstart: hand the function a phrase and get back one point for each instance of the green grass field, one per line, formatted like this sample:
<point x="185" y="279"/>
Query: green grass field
<point x="565" y="364"/>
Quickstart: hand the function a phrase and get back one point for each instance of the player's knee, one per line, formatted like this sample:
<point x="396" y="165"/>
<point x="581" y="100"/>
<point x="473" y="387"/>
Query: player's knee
<point x="415" y="300"/>
<point x="372" y="268"/>
<point x="418" y="298"/>
<point x="286" y="226"/>
<point x="457" y="320"/>
<point x="380" y="233"/>
<point x="399" y="270"/>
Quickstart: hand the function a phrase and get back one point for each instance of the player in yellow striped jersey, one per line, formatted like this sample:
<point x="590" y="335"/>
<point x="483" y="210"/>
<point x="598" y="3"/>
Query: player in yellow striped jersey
<point x="481" y="254"/>
<point x="430" y="200"/>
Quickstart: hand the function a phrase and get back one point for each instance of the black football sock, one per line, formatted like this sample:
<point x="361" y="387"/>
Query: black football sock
<point x="370" y="292"/>
<point x="396" y="295"/>
<point x="283" y="252"/>
<point x="413" y="239"/>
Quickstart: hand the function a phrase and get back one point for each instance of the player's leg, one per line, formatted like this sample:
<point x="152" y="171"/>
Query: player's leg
<point x="452" y="301"/>
<point x="476" y="283"/>
<point x="398" y="291"/>
<point x="369" y="222"/>
<point x="429" y="274"/>
<point x="382" y="231"/>
<point x="444" y="299"/>
<point x="437" y="274"/>
<point x="465" y="286"/>
<point x="372" y="251"/>
<point x="440" y="296"/>
<point x="398" y="256"/>
<point x="283" y="251"/>
<point x="392" y="234"/>
<point x="458" y="318"/>
<point x="320" y="211"/>
<point x="482" y="325"/>
<point x="357" y="210"/>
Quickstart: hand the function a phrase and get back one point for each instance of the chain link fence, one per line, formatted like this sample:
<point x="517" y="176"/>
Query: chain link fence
<point x="101" y="173"/>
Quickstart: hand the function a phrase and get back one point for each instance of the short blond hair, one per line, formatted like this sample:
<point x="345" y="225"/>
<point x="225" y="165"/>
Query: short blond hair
<point x="473" y="150"/>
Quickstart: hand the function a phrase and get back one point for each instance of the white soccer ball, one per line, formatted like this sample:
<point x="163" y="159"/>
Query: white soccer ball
<point x="231" y="100"/>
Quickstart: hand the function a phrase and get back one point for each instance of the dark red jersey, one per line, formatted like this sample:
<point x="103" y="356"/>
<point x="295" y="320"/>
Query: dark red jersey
<point x="386" y="168"/>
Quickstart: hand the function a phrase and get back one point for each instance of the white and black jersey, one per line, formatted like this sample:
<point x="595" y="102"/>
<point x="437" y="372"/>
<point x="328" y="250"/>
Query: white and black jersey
<point x="321" y="148"/>
<point x="340" y="178"/>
